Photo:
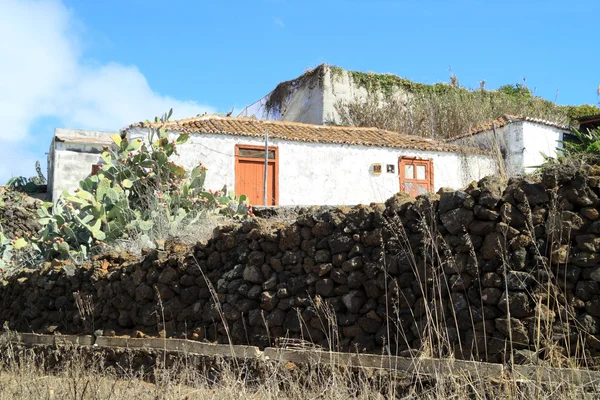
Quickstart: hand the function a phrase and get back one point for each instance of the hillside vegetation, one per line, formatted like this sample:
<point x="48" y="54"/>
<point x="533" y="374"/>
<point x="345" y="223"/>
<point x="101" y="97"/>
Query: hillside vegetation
<point x="442" y="110"/>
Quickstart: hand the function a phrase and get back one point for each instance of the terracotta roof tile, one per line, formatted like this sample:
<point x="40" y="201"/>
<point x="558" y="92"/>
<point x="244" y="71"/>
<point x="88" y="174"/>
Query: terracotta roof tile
<point x="295" y="131"/>
<point x="504" y="120"/>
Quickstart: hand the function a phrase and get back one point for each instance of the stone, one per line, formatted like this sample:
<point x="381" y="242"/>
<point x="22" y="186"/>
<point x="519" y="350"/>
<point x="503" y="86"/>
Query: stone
<point x="589" y="324"/>
<point x="268" y="300"/>
<point x="560" y="255"/>
<point x="490" y="296"/>
<point x="450" y="199"/>
<point x="512" y="216"/>
<point x="517" y="304"/>
<point x="168" y="276"/>
<point x="589" y="242"/>
<point x="322" y="229"/>
<point x="491" y="189"/>
<point x="513" y="329"/>
<point x="518" y="280"/>
<point x="254" y="292"/>
<point x="491" y="279"/>
<point x="339" y="276"/>
<point x="356" y="279"/>
<point x="290" y="238"/>
<point x="322" y="256"/>
<point x="144" y="292"/>
<point x="456" y="220"/>
<point x="275" y="318"/>
<point x="571" y="222"/>
<point x="270" y="283"/>
<point x="372" y="289"/>
<point x="324" y="269"/>
<point x="256" y="258"/>
<point x="460" y="282"/>
<point x="253" y="274"/>
<point x="459" y="302"/>
<point x="535" y="193"/>
<point x="340" y="243"/>
<point x="492" y="246"/>
<point x="585" y="290"/>
<point x="482" y="228"/>
<point x="352" y="264"/>
<point x="485" y="213"/>
<point x="369" y="325"/>
<point x="353" y="301"/>
<point x="586" y="259"/>
<point x="324" y="287"/>
<point x="590" y="213"/>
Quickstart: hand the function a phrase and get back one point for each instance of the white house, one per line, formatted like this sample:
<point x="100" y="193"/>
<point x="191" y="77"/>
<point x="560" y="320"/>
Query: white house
<point x="521" y="141"/>
<point x="72" y="154"/>
<point x="317" y="164"/>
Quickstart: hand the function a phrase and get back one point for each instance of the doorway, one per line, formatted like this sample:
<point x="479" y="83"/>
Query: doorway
<point x="416" y="175"/>
<point x="249" y="174"/>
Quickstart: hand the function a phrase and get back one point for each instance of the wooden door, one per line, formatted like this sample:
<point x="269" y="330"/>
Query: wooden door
<point x="249" y="174"/>
<point x="416" y="176"/>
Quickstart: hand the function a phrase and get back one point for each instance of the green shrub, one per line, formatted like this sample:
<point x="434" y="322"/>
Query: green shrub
<point x="137" y="185"/>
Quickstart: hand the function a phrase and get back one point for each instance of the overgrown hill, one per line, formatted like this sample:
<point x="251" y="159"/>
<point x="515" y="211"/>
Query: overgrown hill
<point x="440" y="110"/>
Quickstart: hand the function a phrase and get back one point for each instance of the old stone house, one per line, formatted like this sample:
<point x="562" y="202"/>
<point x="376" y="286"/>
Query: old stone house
<point x="307" y="164"/>
<point x="317" y="164"/>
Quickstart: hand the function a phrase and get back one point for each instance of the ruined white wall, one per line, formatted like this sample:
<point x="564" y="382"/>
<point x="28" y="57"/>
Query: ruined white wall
<point x="325" y="174"/>
<point x="69" y="163"/>
<point x="72" y="162"/>
<point x="539" y="140"/>
<point x="314" y="102"/>
<point x="522" y="144"/>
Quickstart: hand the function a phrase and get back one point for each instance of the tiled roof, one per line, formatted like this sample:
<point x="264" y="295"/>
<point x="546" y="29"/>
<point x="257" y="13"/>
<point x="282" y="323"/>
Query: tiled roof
<point x="299" y="132"/>
<point x="83" y="140"/>
<point x="589" y="118"/>
<point x="504" y="120"/>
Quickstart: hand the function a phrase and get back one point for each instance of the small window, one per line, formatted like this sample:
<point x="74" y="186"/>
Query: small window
<point x="409" y="171"/>
<point x="256" y="153"/>
<point x="421" y="172"/>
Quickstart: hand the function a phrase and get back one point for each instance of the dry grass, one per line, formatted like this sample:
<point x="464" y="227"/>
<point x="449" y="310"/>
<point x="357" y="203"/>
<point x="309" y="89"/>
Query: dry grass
<point x="73" y="374"/>
<point x="444" y="114"/>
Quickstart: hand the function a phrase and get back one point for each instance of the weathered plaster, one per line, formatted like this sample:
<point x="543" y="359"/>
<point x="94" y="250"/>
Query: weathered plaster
<point x="70" y="162"/>
<point x="522" y="144"/>
<point x="325" y="174"/>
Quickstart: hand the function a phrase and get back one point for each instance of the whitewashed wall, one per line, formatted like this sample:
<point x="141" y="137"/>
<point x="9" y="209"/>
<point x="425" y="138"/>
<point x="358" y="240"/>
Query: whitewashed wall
<point x="522" y="143"/>
<point x="539" y="140"/>
<point x="325" y="174"/>
<point x="71" y="163"/>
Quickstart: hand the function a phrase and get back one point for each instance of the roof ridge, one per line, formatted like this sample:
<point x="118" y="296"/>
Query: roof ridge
<point x="301" y="132"/>
<point x="205" y="117"/>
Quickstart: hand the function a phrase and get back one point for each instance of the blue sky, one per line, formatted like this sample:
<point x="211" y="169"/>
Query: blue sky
<point x="103" y="64"/>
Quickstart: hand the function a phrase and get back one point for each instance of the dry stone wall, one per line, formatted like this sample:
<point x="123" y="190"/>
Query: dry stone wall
<point x="472" y="273"/>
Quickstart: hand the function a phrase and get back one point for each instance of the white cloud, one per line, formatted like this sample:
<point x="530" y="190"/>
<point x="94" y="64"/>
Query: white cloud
<point x="44" y="73"/>
<point x="279" y="22"/>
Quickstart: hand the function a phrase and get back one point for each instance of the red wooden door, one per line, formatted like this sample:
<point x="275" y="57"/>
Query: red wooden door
<point x="249" y="174"/>
<point x="416" y="176"/>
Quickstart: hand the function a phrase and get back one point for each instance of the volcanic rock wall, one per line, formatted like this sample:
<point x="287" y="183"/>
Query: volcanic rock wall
<point x="472" y="273"/>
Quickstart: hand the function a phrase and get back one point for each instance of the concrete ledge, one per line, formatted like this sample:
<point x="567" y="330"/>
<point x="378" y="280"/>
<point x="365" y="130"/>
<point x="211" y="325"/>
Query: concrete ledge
<point x="555" y="375"/>
<point x="52" y="340"/>
<point x="422" y="366"/>
<point x="480" y="370"/>
<point x="188" y="346"/>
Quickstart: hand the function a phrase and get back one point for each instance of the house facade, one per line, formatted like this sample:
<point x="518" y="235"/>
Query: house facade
<point x="319" y="165"/>
<point x="522" y="142"/>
